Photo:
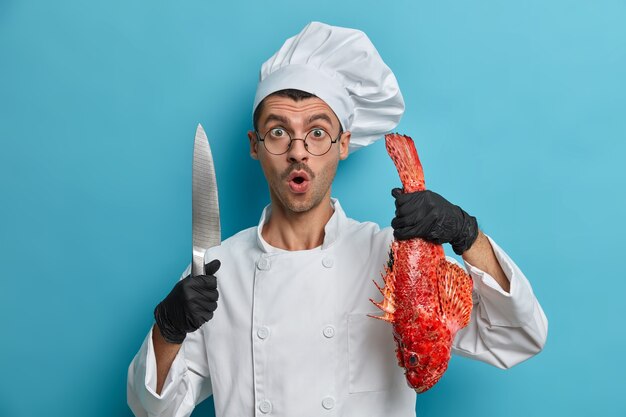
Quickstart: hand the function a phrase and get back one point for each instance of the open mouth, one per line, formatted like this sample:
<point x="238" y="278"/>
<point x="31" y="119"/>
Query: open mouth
<point x="299" y="182"/>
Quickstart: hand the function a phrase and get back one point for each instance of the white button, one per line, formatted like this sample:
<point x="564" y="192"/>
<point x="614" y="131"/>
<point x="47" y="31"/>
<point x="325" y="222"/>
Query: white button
<point x="328" y="262"/>
<point x="265" y="406"/>
<point x="328" y="403"/>
<point x="263" y="264"/>
<point x="263" y="332"/>
<point x="329" y="331"/>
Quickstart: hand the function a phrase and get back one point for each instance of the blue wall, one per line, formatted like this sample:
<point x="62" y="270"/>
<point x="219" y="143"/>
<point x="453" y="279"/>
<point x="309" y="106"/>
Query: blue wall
<point x="517" y="109"/>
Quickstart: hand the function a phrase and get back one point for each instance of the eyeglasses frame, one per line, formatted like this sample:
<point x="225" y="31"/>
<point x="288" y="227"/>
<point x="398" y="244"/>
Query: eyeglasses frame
<point x="332" y="141"/>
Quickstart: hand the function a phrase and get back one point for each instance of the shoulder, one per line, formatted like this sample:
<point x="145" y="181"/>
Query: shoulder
<point x="367" y="231"/>
<point x="246" y="236"/>
<point x="241" y="242"/>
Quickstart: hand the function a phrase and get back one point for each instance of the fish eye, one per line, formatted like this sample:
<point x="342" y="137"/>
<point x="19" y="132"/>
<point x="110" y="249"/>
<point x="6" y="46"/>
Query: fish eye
<point x="413" y="359"/>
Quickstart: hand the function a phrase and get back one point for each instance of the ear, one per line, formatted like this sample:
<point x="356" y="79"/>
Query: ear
<point x="344" y="143"/>
<point x="254" y="144"/>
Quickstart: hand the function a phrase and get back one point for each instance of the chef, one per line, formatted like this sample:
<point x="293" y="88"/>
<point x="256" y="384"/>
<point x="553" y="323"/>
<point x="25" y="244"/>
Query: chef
<point x="289" y="335"/>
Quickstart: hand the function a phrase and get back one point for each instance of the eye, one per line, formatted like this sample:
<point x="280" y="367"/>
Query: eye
<point x="318" y="133"/>
<point x="413" y="359"/>
<point x="277" y="132"/>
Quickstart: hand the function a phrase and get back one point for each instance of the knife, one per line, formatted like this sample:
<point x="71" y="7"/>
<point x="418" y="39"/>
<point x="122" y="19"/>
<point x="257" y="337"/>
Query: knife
<point x="206" y="231"/>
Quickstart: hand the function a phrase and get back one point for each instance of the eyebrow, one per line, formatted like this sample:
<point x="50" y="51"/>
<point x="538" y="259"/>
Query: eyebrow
<point x="321" y="116"/>
<point x="275" y="117"/>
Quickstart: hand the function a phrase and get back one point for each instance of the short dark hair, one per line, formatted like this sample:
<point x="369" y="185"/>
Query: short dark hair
<point x="292" y="93"/>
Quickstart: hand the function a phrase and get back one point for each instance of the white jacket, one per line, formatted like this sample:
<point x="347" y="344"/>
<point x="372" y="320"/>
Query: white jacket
<point x="291" y="336"/>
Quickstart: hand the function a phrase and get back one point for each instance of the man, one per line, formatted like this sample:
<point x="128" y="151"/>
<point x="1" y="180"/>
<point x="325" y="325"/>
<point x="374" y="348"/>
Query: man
<point x="291" y="336"/>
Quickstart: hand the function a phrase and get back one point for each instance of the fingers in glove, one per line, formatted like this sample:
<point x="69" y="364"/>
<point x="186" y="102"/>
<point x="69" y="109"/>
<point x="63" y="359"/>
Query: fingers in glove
<point x="201" y="305"/>
<point x="419" y="202"/>
<point x="396" y="192"/>
<point x="426" y="226"/>
<point x="404" y="233"/>
<point x="211" y="296"/>
<point x="402" y="199"/>
<point x="201" y="295"/>
<point x="420" y="219"/>
<point x="200" y="311"/>
<point x="400" y="222"/>
<point x="415" y="232"/>
<point x="212" y="267"/>
<point x="206" y="316"/>
<point x="196" y="321"/>
<point x="206" y="282"/>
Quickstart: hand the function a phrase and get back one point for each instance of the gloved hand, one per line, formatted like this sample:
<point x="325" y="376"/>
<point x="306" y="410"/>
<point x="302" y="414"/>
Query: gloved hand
<point x="189" y="305"/>
<point x="427" y="215"/>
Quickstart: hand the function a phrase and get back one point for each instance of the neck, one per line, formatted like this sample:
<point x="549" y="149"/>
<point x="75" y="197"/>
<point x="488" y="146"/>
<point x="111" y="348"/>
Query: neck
<point x="293" y="231"/>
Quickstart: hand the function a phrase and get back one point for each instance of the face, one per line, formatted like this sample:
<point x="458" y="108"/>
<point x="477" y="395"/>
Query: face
<point x="298" y="181"/>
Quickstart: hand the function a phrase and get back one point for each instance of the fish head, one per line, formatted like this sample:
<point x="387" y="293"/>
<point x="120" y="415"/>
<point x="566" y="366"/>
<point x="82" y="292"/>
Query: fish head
<point x="424" y="358"/>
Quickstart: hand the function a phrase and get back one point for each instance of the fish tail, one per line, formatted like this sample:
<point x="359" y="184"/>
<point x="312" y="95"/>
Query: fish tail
<point x="402" y="151"/>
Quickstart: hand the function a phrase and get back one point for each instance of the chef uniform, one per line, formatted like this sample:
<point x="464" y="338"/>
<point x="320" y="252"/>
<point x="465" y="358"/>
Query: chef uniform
<point x="291" y="336"/>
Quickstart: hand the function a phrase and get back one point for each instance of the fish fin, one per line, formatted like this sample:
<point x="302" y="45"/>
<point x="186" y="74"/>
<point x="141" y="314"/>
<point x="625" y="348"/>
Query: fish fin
<point x="387" y="290"/>
<point x="455" y="294"/>
<point x="387" y="305"/>
<point x="384" y="306"/>
<point x="386" y="317"/>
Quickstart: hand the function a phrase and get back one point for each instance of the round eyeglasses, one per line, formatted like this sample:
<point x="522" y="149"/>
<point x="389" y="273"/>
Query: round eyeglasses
<point x="317" y="142"/>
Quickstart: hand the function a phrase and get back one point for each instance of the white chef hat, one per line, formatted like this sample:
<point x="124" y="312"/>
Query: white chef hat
<point x="342" y="67"/>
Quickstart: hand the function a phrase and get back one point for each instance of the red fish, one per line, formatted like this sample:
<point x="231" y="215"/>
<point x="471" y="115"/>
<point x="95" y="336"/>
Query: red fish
<point x="426" y="298"/>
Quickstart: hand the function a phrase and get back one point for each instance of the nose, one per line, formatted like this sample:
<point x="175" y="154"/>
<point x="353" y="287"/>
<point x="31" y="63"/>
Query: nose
<point x="297" y="151"/>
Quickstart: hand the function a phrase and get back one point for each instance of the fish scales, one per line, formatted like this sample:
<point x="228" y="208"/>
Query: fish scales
<point x="426" y="298"/>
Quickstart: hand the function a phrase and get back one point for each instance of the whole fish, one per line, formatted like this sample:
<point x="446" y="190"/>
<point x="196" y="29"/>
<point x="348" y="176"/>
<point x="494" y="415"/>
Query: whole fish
<point x="425" y="297"/>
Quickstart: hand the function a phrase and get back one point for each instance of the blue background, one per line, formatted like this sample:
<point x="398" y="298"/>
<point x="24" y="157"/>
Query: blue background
<point x="517" y="109"/>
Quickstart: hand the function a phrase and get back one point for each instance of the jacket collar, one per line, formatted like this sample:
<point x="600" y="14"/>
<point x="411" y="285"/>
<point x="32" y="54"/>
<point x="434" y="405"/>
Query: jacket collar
<point x="333" y="228"/>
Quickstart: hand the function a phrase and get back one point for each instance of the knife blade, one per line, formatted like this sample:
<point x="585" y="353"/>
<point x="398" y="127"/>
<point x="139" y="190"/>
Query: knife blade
<point x="206" y="230"/>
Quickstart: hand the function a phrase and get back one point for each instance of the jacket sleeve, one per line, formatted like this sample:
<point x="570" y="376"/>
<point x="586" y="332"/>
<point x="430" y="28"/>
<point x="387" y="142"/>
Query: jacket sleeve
<point x="505" y="328"/>
<point x="187" y="384"/>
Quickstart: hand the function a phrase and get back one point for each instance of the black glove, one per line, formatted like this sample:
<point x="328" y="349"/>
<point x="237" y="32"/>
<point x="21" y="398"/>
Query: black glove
<point x="429" y="216"/>
<point x="189" y="305"/>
